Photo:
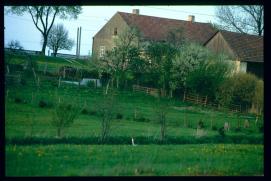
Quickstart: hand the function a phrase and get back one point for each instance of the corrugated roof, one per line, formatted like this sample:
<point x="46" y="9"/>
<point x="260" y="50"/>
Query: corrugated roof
<point x="247" y="47"/>
<point x="156" y="28"/>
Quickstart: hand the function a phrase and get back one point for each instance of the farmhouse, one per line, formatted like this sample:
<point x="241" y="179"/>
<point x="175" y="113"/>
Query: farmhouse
<point x="247" y="50"/>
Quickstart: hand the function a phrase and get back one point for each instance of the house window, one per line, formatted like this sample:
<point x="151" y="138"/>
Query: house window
<point x="102" y="51"/>
<point x="115" y="31"/>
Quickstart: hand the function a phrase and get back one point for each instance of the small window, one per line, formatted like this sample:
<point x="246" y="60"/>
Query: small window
<point x="115" y="31"/>
<point x="102" y="51"/>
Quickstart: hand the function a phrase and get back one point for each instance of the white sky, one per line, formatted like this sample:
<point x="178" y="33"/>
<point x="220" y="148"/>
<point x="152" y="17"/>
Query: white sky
<point x="92" y="19"/>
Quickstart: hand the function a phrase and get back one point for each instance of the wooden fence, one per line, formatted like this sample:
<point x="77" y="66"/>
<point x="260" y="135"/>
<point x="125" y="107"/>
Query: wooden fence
<point x="203" y="100"/>
<point x="147" y="90"/>
<point x="195" y="98"/>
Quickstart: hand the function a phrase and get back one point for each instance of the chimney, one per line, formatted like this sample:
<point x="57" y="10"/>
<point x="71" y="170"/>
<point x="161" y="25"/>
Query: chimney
<point x="136" y="11"/>
<point x="191" y="18"/>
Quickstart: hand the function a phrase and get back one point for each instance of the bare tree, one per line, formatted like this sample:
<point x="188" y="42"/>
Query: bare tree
<point x="43" y="17"/>
<point x="58" y="39"/>
<point x="243" y="19"/>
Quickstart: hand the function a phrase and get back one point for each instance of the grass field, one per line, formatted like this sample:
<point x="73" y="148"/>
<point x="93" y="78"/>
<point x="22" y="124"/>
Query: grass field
<point x="120" y="160"/>
<point x="25" y="119"/>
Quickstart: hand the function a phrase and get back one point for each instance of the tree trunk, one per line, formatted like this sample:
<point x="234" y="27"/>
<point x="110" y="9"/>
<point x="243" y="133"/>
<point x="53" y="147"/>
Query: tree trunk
<point x="107" y="86"/>
<point x="44" y="44"/>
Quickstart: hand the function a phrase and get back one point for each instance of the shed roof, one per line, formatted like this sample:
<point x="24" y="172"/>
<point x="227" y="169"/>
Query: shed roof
<point x="156" y="28"/>
<point x="248" y="48"/>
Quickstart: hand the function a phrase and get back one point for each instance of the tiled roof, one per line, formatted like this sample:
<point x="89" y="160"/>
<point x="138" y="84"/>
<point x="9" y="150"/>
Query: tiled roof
<point x="156" y="28"/>
<point x="247" y="47"/>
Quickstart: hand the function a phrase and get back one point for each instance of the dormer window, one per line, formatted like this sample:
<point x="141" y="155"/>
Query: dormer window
<point x="115" y="31"/>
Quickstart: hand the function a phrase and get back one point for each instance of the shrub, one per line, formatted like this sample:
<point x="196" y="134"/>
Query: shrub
<point x="201" y="124"/>
<point x="18" y="100"/>
<point x="237" y="129"/>
<point x="208" y="76"/>
<point x="63" y="116"/>
<point x="119" y="116"/>
<point x="214" y="128"/>
<point x="44" y="104"/>
<point x="23" y="82"/>
<point x="238" y="89"/>
<point x="92" y="112"/>
<point x="221" y="131"/>
<point x="84" y="111"/>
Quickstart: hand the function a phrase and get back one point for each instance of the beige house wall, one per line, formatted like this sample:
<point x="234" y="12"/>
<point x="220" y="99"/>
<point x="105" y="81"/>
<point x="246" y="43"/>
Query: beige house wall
<point x="105" y="37"/>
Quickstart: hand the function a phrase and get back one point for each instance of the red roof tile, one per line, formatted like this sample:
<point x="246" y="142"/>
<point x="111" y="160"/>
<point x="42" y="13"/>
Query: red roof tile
<point x="247" y="47"/>
<point x="156" y="28"/>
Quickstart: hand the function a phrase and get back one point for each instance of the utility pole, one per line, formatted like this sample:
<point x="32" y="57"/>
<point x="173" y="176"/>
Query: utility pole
<point x="78" y="44"/>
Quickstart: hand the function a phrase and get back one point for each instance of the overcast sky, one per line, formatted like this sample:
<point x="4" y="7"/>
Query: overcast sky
<point x="92" y="19"/>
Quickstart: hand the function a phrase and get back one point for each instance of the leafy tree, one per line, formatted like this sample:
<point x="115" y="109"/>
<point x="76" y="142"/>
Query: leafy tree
<point x="208" y="76"/>
<point x="160" y="56"/>
<point x="187" y="59"/>
<point x="43" y="17"/>
<point x="243" y="19"/>
<point x="58" y="39"/>
<point x="15" y="45"/>
<point x="117" y="60"/>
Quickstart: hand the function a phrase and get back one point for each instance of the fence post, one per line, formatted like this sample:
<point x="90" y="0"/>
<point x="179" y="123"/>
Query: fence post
<point x="184" y="96"/>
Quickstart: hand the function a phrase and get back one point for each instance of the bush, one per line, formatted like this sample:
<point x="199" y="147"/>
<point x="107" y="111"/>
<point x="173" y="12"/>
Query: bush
<point x="44" y="104"/>
<point x="237" y="129"/>
<point x="23" y="82"/>
<point x="208" y="76"/>
<point x="238" y="89"/>
<point x="18" y="100"/>
<point x="119" y="116"/>
<point x="221" y="131"/>
<point x="201" y="124"/>
<point x="84" y="111"/>
<point x="214" y="128"/>
<point x="92" y="112"/>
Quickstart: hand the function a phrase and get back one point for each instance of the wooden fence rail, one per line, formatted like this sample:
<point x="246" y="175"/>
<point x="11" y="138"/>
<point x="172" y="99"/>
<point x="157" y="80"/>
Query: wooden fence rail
<point x="147" y="90"/>
<point x="203" y="100"/>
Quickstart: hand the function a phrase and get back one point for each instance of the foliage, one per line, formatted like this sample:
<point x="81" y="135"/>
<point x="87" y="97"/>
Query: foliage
<point x="188" y="59"/>
<point x="238" y="89"/>
<point x="208" y="76"/>
<point x="45" y="103"/>
<point x="64" y="115"/>
<point x="221" y="131"/>
<point x="258" y="99"/>
<point x="160" y="56"/>
<point x="116" y="62"/>
<point x="15" y="45"/>
<point x="43" y="17"/>
<point x="106" y="110"/>
<point x="58" y="39"/>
